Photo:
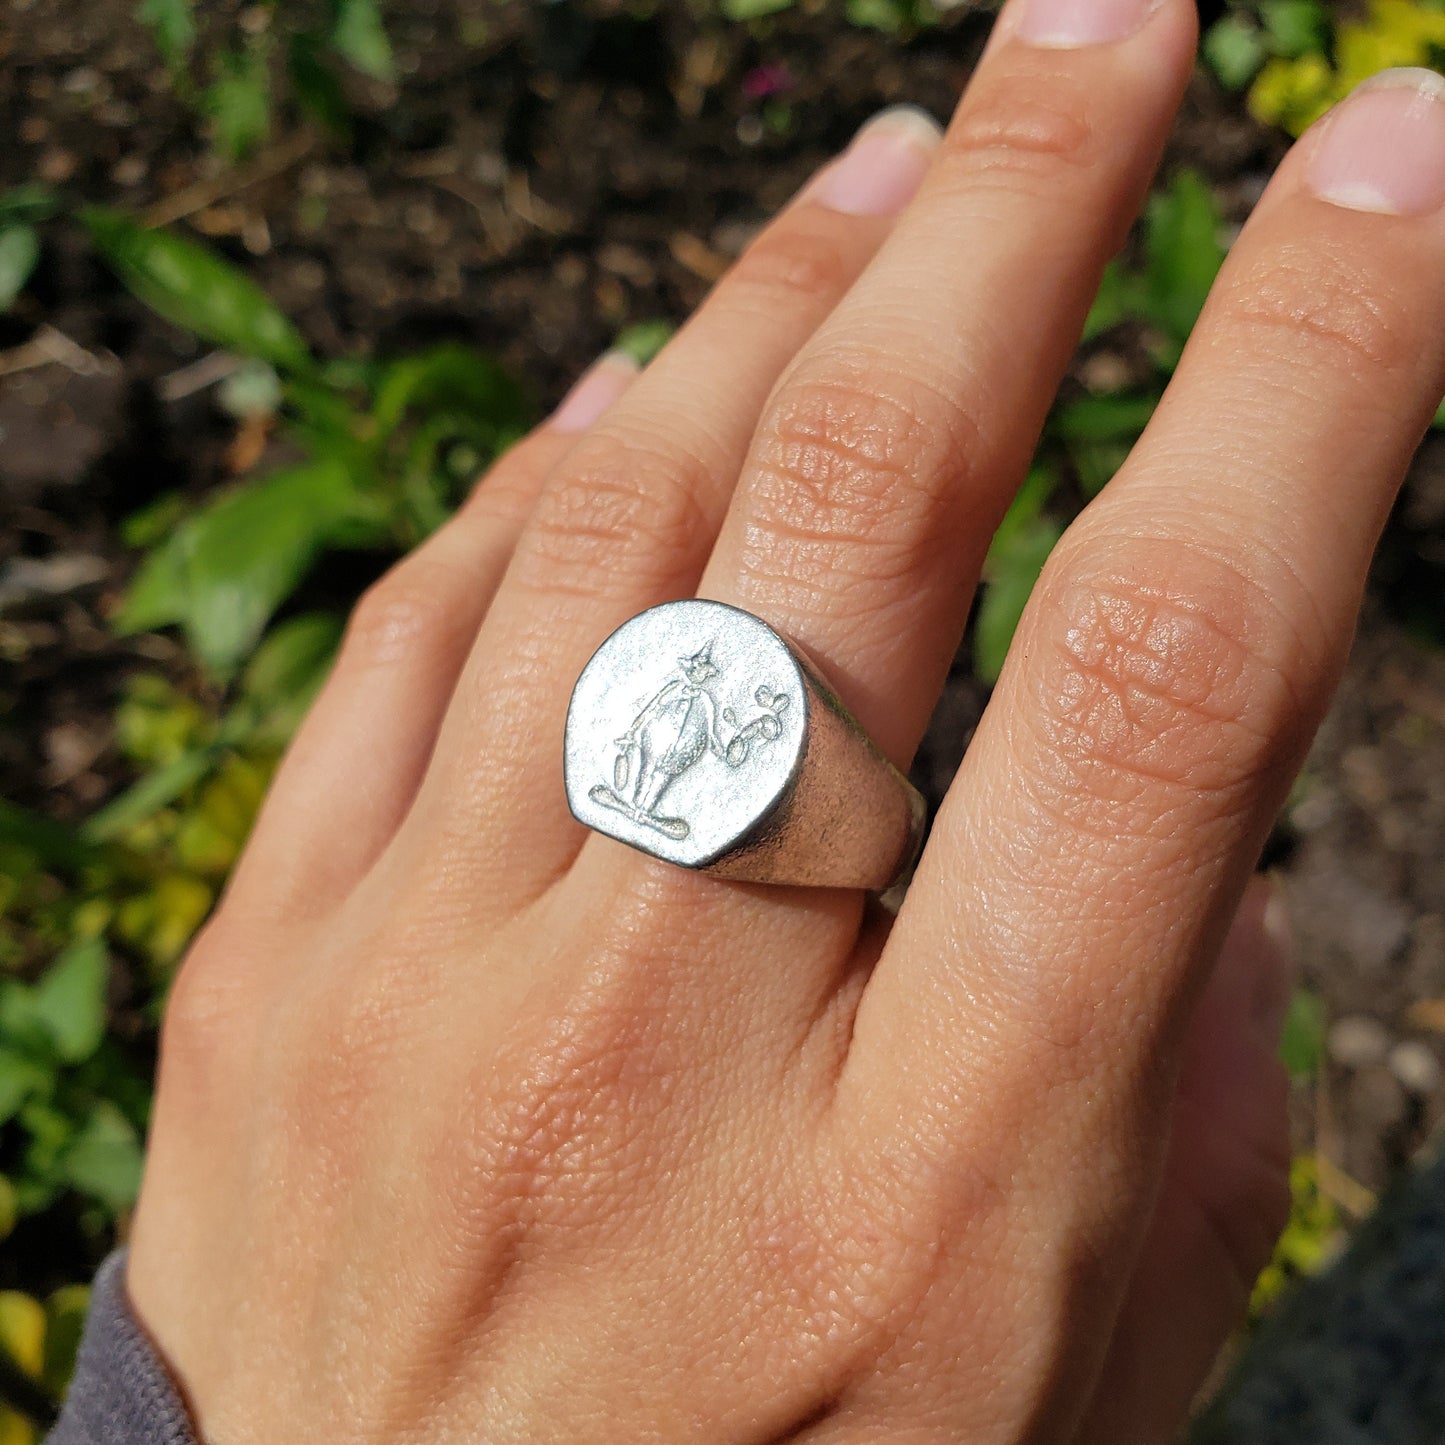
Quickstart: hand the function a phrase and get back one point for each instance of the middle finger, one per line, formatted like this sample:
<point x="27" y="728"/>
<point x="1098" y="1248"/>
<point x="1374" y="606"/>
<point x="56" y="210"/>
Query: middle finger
<point x="629" y="518"/>
<point x="890" y="451"/>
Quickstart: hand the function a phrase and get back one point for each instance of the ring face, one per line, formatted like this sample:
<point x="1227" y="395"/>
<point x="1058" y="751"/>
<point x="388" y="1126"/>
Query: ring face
<point x="686" y="730"/>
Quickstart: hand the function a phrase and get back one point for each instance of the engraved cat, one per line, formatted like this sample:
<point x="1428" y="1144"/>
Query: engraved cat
<point x="674" y="731"/>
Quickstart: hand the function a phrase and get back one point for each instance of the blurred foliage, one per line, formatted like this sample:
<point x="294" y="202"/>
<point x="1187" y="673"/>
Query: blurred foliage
<point x="382" y="450"/>
<point x="39" y="1344"/>
<point x="21" y="212"/>
<point x="1298" y="60"/>
<point x="643" y="341"/>
<point x="238" y="77"/>
<point x="1302" y="1044"/>
<point x="902" y="18"/>
<point x="1312" y="1235"/>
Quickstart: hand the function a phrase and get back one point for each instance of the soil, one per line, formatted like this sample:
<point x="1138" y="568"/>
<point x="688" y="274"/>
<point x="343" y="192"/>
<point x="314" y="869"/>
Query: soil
<point x="541" y="177"/>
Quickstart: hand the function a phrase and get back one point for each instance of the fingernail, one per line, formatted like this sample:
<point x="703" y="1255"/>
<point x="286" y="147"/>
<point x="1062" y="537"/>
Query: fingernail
<point x="1275" y="975"/>
<point x="1383" y="149"/>
<point x="599" y="386"/>
<point x="880" y="172"/>
<point x="1064" y="24"/>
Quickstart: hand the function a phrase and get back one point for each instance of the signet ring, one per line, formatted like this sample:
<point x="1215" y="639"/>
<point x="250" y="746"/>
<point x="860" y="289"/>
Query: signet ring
<point x="698" y="734"/>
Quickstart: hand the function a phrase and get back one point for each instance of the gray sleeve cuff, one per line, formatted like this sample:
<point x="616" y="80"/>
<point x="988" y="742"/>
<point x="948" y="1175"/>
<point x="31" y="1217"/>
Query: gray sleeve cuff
<point x="122" y="1393"/>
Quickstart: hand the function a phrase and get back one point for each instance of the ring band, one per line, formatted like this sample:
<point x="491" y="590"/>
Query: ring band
<point x="701" y="736"/>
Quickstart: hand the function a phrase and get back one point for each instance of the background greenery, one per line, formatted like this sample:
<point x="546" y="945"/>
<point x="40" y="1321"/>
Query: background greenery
<point x="378" y="450"/>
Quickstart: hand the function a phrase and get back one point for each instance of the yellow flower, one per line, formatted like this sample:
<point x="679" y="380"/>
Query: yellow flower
<point x="22" y="1333"/>
<point x="1365" y="50"/>
<point x="1405" y="20"/>
<point x="1293" y="93"/>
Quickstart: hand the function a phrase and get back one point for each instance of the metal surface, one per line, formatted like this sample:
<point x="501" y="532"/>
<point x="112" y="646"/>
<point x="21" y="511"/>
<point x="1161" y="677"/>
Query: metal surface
<point x="699" y="735"/>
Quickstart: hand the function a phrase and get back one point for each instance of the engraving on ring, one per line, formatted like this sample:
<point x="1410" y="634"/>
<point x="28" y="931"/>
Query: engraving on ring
<point x="673" y="733"/>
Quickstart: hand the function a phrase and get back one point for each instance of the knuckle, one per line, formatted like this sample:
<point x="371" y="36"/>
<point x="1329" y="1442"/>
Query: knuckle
<point x="857" y="475"/>
<point x="412" y="608"/>
<point x="1316" y="293"/>
<point x="573" y="1102"/>
<point x="330" y="1051"/>
<point x="799" y="257"/>
<point x="1023" y="132"/>
<point x="628" y="511"/>
<point x="564" y="1130"/>
<point x="209" y="1013"/>
<point x="1165" y="668"/>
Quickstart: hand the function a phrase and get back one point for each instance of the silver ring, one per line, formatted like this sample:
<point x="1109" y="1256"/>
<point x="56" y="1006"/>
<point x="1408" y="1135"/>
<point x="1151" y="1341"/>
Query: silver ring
<point x="701" y="736"/>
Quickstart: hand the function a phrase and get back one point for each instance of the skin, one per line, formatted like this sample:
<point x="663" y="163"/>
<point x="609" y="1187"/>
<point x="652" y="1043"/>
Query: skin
<point x="472" y="1125"/>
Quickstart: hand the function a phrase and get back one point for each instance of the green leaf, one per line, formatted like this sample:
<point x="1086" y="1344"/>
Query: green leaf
<point x="64" y="1321"/>
<point x="227" y="569"/>
<point x="103" y="1159"/>
<point x="359" y="35"/>
<point x="1302" y="1044"/>
<point x="24" y="1031"/>
<point x="173" y="25"/>
<point x="447" y="378"/>
<point x="753" y="9"/>
<point x="9" y="1206"/>
<point x="281" y="681"/>
<point x="1026" y="508"/>
<point x="892" y="17"/>
<point x="1183" y="253"/>
<point x="195" y="289"/>
<point x="19" y="251"/>
<point x="290" y="658"/>
<point x="324" y="416"/>
<point x="1295" y="27"/>
<point x="1439" y="420"/>
<point x="315" y="84"/>
<point x="1119" y="296"/>
<point x="1109" y="417"/>
<point x="69" y="999"/>
<point x="159" y="593"/>
<point x="28" y="204"/>
<point x="56" y="845"/>
<point x="1235" y="50"/>
<point x="644" y="340"/>
<point x="153" y="522"/>
<point x="148" y="796"/>
<point x="49" y="1127"/>
<point x="21" y="1075"/>
<point x="238" y="101"/>
<point x="1011" y="571"/>
<point x="1098" y="463"/>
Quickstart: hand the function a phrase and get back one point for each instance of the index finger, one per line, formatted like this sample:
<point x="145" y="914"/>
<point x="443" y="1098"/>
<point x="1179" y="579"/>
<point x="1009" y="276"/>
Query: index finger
<point x="1166" y="681"/>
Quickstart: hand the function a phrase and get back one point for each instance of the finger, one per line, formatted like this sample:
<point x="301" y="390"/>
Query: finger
<point x="1225" y="1193"/>
<point x="884" y="460"/>
<point x="1164" y="685"/>
<point x="353" y="768"/>
<point x="628" y="521"/>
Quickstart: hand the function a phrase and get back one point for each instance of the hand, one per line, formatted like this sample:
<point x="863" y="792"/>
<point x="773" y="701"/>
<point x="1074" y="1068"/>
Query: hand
<point x="474" y="1127"/>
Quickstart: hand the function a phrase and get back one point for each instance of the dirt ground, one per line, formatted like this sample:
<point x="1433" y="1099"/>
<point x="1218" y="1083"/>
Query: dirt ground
<point x="542" y="177"/>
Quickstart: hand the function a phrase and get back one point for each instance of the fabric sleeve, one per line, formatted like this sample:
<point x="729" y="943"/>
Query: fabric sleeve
<point x="121" y="1393"/>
